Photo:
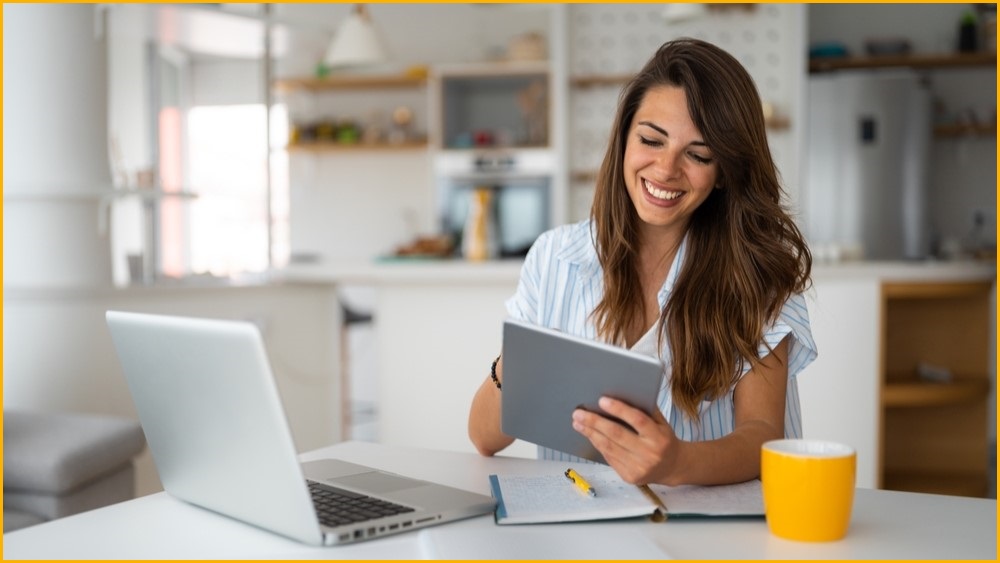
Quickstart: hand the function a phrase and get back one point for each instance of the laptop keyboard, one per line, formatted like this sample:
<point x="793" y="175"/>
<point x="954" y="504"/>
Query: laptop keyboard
<point x="336" y="507"/>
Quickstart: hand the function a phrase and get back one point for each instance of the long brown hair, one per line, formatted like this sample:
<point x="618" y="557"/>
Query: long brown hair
<point x="745" y="256"/>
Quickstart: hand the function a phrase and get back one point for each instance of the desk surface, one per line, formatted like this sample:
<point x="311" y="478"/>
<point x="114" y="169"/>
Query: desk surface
<point x="884" y="525"/>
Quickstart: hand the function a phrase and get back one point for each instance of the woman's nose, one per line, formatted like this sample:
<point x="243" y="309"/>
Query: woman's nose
<point x="668" y="162"/>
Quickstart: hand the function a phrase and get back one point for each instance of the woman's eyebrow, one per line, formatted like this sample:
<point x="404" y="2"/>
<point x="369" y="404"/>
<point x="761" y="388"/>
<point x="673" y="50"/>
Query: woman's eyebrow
<point x="663" y="132"/>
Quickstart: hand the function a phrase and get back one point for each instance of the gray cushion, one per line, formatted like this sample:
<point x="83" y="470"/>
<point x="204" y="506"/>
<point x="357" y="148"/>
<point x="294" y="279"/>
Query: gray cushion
<point x="112" y="488"/>
<point x="15" y="520"/>
<point x="58" y="452"/>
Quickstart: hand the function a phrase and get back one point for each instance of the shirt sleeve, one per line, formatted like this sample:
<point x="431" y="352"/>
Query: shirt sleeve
<point x="793" y="320"/>
<point x="523" y="305"/>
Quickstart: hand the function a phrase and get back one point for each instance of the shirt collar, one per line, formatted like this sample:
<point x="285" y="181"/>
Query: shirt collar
<point x="581" y="252"/>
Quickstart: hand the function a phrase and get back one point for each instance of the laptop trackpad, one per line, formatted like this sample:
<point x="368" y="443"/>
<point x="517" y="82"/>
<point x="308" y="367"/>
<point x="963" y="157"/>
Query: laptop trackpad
<point x="376" y="483"/>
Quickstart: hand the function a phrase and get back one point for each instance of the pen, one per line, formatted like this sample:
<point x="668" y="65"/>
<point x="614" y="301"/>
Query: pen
<point x="580" y="482"/>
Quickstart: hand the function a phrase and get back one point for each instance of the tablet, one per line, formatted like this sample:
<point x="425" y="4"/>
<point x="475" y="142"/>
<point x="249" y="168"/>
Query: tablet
<point x="547" y="374"/>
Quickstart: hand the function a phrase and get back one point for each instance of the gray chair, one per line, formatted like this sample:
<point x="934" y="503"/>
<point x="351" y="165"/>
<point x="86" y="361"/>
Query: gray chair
<point x="57" y="464"/>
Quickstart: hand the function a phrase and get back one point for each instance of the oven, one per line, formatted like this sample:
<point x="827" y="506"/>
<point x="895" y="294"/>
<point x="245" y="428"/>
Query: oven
<point x="519" y="183"/>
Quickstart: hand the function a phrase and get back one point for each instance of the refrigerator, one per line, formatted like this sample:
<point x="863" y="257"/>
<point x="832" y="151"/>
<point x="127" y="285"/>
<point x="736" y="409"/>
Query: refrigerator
<point x="868" y="146"/>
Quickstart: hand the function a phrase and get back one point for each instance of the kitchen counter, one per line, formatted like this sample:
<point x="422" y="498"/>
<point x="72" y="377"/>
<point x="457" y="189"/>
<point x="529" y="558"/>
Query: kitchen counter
<point x="430" y="271"/>
<point x="395" y="271"/>
<point x="504" y="272"/>
<point x="900" y="271"/>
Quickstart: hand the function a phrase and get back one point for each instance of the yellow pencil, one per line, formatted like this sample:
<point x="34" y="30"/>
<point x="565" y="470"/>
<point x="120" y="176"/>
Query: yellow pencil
<point x="580" y="482"/>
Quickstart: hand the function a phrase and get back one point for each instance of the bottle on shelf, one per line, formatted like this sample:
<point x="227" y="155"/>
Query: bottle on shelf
<point x="478" y="239"/>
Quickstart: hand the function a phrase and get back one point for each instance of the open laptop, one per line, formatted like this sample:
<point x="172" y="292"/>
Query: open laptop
<point x="214" y="422"/>
<point x="548" y="374"/>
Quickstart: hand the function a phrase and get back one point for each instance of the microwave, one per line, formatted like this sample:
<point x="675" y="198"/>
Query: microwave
<point x="520" y="204"/>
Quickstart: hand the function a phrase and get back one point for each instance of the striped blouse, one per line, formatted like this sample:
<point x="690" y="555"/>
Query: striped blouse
<point x="561" y="284"/>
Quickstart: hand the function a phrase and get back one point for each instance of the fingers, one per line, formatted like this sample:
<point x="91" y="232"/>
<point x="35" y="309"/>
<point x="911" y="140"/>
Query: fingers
<point x="636" y="456"/>
<point x="641" y="422"/>
<point x="606" y="435"/>
<point x="612" y="438"/>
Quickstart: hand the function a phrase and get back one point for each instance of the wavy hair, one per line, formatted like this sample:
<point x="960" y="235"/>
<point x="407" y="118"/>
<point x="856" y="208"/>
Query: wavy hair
<point x="745" y="255"/>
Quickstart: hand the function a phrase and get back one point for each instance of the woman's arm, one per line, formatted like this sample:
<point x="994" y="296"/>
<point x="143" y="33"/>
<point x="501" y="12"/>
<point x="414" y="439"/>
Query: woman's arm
<point x="484" y="417"/>
<point x="655" y="455"/>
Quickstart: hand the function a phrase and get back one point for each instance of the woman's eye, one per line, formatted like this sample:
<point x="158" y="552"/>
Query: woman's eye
<point x="649" y="142"/>
<point x="700" y="159"/>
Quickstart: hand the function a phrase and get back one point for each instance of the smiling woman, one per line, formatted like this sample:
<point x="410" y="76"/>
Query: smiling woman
<point x="690" y="257"/>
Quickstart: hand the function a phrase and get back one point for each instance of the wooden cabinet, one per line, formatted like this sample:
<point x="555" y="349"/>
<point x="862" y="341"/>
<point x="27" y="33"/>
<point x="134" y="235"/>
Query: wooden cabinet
<point x="934" y="433"/>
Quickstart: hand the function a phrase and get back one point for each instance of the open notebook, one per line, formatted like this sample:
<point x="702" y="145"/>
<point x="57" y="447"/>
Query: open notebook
<point x="551" y="497"/>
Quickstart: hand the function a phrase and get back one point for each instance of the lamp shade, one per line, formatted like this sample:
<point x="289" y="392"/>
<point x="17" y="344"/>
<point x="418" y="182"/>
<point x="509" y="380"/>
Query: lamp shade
<point x="683" y="12"/>
<point x="357" y="42"/>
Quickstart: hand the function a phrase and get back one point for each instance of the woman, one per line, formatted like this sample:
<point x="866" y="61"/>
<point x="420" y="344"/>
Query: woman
<point x="690" y="257"/>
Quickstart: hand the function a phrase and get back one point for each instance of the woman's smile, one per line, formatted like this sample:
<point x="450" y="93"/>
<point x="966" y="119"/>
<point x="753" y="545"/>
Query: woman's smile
<point x="661" y="195"/>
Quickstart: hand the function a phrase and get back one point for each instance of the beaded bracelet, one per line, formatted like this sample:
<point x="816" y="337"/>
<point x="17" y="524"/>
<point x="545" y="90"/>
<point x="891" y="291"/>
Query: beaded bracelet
<point x="493" y="372"/>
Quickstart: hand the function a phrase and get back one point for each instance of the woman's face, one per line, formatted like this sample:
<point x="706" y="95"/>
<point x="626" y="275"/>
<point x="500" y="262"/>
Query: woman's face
<point x="669" y="171"/>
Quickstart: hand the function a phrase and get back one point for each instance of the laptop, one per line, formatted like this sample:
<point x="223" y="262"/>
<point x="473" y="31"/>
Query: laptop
<point x="214" y="422"/>
<point x="547" y="374"/>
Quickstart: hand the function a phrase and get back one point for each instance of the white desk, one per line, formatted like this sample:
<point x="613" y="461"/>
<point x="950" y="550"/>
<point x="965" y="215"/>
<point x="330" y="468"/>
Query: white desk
<point x="884" y="525"/>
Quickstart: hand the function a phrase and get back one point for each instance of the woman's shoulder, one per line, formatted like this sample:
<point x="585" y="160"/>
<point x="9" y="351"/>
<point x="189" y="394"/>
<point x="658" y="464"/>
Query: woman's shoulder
<point x="570" y="234"/>
<point x="571" y="243"/>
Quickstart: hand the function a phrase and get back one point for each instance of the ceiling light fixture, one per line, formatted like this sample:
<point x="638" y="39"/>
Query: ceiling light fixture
<point x="356" y="43"/>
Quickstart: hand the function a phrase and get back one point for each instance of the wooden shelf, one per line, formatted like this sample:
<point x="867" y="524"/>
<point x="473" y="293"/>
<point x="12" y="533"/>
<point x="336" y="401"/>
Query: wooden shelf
<point x="928" y="394"/>
<point x="599" y="80"/>
<point x="922" y="61"/>
<point x="965" y="130"/>
<point x="943" y="483"/>
<point x="933" y="434"/>
<point x="950" y="290"/>
<point x="330" y="146"/>
<point x="351" y="82"/>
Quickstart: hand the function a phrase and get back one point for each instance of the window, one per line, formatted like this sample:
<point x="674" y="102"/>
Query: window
<point x="225" y="231"/>
<point x="189" y="149"/>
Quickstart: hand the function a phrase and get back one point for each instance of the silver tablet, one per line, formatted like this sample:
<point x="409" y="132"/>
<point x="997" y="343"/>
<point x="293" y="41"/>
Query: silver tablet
<point x="547" y="374"/>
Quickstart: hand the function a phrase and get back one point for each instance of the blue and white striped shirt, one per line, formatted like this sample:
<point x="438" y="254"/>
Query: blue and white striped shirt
<point x="561" y="283"/>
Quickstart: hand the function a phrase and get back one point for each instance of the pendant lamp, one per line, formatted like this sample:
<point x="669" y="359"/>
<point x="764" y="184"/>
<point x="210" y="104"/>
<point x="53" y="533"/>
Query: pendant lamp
<point x="356" y="43"/>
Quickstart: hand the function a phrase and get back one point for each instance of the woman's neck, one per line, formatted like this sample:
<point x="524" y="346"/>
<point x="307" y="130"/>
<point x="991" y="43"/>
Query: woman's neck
<point x="656" y="256"/>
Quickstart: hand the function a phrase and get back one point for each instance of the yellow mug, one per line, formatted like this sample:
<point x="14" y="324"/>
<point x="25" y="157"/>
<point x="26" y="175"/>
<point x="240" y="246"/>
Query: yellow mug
<point x="808" y="488"/>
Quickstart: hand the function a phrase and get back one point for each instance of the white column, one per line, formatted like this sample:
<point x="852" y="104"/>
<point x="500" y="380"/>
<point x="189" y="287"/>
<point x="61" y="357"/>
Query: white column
<point x="55" y="146"/>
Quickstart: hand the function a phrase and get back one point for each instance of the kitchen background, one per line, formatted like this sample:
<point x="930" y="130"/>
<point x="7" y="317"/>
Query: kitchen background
<point x="145" y="174"/>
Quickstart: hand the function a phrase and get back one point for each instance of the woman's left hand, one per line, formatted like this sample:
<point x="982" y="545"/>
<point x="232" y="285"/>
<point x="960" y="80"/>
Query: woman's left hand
<point x="640" y="457"/>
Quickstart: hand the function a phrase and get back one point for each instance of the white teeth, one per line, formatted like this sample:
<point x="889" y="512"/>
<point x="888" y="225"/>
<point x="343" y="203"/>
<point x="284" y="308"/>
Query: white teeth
<point x="661" y="194"/>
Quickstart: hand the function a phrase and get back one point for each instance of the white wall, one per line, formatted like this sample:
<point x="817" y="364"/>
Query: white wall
<point x="413" y="33"/>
